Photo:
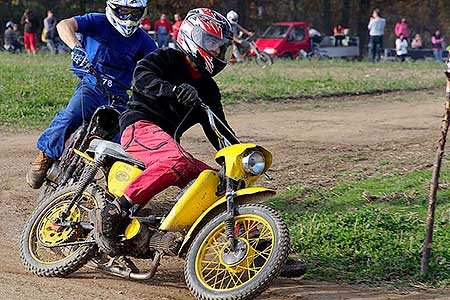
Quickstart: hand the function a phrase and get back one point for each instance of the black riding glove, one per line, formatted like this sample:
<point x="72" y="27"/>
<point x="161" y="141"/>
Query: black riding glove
<point x="187" y="95"/>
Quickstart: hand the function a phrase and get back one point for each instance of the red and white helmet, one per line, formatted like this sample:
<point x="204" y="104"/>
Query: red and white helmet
<point x="205" y="36"/>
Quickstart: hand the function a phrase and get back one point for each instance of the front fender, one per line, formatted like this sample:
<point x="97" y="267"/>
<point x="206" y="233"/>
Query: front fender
<point x="244" y="196"/>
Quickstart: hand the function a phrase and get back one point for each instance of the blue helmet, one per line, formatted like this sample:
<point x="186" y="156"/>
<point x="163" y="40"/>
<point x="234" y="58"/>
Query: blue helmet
<point x="9" y="24"/>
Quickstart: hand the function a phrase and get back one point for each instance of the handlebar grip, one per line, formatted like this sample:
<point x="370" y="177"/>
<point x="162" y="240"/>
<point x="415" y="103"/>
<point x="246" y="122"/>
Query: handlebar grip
<point x="202" y="104"/>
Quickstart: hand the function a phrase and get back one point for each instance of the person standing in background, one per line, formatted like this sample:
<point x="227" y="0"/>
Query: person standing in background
<point x="436" y="41"/>
<point x="162" y="31"/>
<point x="146" y="25"/>
<point x="176" y="26"/>
<point x="376" y="35"/>
<point x="50" y="29"/>
<point x="30" y="27"/>
<point x="402" y="28"/>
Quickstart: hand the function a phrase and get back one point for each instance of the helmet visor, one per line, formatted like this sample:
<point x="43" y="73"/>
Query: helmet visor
<point x="126" y="13"/>
<point x="220" y="48"/>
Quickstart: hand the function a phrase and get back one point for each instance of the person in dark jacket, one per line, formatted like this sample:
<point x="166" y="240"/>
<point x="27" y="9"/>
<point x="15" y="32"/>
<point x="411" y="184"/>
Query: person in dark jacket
<point x="437" y="41"/>
<point x="30" y="28"/>
<point x="12" y="43"/>
<point x="165" y="101"/>
<point x="50" y="31"/>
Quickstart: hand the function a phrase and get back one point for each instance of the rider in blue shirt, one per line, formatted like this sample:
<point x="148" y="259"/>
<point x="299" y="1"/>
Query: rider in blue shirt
<point x="112" y="43"/>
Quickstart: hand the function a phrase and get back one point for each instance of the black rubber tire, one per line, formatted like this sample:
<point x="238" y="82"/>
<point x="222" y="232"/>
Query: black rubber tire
<point x="69" y="264"/>
<point x="45" y="192"/>
<point x="286" y="56"/>
<point x="264" y="59"/>
<point x="261" y="281"/>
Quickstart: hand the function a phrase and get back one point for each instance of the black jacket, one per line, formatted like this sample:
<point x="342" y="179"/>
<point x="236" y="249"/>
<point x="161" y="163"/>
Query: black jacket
<point x="153" y="98"/>
<point x="30" y="23"/>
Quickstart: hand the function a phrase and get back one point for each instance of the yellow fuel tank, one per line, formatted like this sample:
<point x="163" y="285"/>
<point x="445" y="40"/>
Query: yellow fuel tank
<point x="197" y="199"/>
<point x="120" y="176"/>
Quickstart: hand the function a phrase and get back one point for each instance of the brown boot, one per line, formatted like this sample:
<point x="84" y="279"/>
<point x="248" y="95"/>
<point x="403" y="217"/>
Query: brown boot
<point x="36" y="175"/>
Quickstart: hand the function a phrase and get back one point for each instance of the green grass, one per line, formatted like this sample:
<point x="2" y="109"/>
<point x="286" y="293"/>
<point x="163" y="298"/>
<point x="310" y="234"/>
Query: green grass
<point x="32" y="89"/>
<point x="344" y="237"/>
<point x="303" y="79"/>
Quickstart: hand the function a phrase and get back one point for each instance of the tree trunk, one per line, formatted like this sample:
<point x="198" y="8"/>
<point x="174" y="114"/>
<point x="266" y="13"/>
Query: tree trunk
<point x="326" y="17"/>
<point x="363" y="20"/>
<point x="345" y="8"/>
<point x="427" y="245"/>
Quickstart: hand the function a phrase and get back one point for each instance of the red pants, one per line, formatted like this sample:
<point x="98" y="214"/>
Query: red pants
<point x="29" y="40"/>
<point x="166" y="166"/>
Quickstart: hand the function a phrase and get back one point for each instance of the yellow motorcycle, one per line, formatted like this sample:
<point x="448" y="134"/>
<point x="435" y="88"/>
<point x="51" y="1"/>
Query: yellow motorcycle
<point x="233" y="246"/>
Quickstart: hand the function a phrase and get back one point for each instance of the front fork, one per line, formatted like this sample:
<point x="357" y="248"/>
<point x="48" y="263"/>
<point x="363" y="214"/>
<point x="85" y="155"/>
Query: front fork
<point x="88" y="176"/>
<point x="229" y="222"/>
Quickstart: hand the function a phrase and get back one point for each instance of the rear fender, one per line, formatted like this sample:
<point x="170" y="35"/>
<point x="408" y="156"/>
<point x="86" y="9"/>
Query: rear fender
<point x="244" y="196"/>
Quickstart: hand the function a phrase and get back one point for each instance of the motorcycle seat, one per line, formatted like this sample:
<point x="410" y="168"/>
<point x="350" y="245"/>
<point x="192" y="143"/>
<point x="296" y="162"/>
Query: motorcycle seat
<point x="114" y="150"/>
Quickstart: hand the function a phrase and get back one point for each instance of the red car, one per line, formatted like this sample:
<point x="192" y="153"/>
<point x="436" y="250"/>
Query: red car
<point x="285" y="39"/>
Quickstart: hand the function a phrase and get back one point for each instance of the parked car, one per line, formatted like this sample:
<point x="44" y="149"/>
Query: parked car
<point x="289" y="39"/>
<point x="285" y="39"/>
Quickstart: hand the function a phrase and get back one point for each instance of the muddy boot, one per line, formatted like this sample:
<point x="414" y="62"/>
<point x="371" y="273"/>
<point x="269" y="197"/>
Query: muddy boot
<point x="111" y="221"/>
<point x="36" y="175"/>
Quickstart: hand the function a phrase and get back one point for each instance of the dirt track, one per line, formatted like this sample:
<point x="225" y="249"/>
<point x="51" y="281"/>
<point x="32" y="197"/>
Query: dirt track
<point x="314" y="143"/>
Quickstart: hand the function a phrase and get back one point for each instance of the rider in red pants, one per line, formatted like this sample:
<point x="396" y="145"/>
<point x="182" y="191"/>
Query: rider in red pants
<point x="167" y="86"/>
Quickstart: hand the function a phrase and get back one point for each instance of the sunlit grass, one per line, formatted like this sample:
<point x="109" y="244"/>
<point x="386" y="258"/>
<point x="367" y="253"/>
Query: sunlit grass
<point x="32" y="89"/>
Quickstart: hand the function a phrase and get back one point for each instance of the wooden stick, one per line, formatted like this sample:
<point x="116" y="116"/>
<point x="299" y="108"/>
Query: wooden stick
<point x="427" y="245"/>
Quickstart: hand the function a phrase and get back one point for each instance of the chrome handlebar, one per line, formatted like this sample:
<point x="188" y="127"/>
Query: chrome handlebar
<point x="212" y="122"/>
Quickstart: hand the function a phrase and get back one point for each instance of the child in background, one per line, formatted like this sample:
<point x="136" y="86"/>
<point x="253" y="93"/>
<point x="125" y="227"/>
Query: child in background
<point x="401" y="47"/>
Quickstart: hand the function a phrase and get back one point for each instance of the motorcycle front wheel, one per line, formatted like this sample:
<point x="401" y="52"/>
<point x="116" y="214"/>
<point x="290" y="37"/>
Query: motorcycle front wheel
<point x="213" y="271"/>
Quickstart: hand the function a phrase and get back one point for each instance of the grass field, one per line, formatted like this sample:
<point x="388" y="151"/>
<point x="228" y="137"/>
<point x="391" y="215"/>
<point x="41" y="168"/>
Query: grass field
<point x="32" y="89"/>
<point x="346" y="236"/>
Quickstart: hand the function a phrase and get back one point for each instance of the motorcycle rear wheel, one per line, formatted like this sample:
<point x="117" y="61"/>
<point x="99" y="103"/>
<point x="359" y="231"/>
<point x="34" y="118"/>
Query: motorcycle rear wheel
<point x="212" y="273"/>
<point x="39" y="232"/>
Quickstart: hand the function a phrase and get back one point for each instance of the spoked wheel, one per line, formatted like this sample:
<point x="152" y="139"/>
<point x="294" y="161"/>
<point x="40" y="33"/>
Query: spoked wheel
<point x="214" y="271"/>
<point x="264" y="59"/>
<point x="49" y="249"/>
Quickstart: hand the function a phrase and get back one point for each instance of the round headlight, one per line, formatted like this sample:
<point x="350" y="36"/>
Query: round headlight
<point x="254" y="163"/>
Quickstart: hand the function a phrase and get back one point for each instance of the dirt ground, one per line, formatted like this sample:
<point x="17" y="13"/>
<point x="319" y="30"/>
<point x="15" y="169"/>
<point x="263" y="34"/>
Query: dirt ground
<point x="313" y="142"/>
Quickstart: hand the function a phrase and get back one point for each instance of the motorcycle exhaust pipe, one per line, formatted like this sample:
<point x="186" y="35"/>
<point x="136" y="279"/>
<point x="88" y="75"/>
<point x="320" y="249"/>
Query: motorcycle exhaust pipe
<point x="151" y="272"/>
<point x="136" y="276"/>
